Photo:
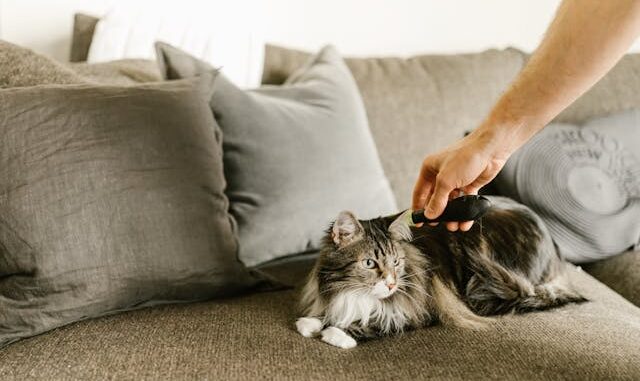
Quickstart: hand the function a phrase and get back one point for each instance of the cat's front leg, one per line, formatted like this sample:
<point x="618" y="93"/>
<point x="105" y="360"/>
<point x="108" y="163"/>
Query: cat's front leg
<point x="338" y="338"/>
<point x="308" y="326"/>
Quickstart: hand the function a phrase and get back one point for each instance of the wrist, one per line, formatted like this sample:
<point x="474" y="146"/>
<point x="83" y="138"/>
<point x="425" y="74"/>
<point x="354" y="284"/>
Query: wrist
<point x="499" y="139"/>
<point x="505" y="131"/>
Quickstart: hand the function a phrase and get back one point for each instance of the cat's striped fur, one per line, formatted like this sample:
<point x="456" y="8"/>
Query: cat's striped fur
<point x="380" y="276"/>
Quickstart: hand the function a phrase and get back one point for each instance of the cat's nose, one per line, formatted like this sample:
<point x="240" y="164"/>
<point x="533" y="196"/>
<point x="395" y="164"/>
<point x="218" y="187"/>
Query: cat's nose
<point x="391" y="285"/>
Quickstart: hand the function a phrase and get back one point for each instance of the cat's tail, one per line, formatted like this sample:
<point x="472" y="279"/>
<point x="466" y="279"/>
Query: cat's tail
<point x="496" y="290"/>
<point x="550" y="295"/>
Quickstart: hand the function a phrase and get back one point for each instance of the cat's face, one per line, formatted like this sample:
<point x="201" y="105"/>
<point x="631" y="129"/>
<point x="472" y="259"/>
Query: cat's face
<point x="380" y="269"/>
<point x="367" y="255"/>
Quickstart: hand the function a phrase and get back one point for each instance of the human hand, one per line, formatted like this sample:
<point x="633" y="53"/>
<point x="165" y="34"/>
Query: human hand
<point x="463" y="167"/>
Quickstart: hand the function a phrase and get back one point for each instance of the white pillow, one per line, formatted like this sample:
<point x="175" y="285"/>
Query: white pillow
<point x="222" y="33"/>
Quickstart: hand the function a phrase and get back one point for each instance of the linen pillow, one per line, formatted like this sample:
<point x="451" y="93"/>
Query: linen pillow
<point x="294" y="156"/>
<point x="584" y="181"/>
<point x="111" y="198"/>
<point x="416" y="105"/>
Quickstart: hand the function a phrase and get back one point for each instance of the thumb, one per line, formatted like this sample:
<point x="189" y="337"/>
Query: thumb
<point x="439" y="198"/>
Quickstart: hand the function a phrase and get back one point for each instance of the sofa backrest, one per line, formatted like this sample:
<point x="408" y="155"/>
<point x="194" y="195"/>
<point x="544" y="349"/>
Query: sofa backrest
<point x="617" y="91"/>
<point x="416" y="105"/>
<point x="421" y="104"/>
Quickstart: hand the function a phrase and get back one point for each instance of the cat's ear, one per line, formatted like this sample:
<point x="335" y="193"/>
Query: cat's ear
<point x="400" y="228"/>
<point x="346" y="229"/>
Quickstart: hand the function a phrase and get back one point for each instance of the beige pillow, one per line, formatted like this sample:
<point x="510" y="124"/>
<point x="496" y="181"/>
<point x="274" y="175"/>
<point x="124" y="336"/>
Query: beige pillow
<point x="83" y="28"/>
<point x="120" y="72"/>
<point x="416" y="105"/>
<point x="21" y="67"/>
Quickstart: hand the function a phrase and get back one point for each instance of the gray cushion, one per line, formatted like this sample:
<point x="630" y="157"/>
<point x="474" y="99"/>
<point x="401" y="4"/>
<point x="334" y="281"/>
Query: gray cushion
<point x="584" y="181"/>
<point x="294" y="155"/>
<point x="253" y="337"/>
<point x="111" y="198"/>
<point x="416" y="105"/>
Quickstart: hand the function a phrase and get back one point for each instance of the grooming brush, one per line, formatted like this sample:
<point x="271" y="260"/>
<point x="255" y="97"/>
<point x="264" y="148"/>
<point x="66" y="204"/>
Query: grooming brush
<point x="464" y="208"/>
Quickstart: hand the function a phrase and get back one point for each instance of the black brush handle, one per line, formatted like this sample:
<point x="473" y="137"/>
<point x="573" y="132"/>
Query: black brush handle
<point x="465" y="208"/>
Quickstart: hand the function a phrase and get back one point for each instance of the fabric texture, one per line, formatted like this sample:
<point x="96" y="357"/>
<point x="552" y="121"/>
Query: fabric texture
<point x="23" y="67"/>
<point x="83" y="28"/>
<point x="584" y="181"/>
<point x="111" y="198"/>
<point x="253" y="337"/>
<point x="294" y="156"/>
<point x="416" y="105"/>
<point x="120" y="72"/>
<point x="621" y="273"/>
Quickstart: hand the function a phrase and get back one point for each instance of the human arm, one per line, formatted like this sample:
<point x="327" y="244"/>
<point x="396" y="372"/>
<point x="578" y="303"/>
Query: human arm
<point x="585" y="39"/>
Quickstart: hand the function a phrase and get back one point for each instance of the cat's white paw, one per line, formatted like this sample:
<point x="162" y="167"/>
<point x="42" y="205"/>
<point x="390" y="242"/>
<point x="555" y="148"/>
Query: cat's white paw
<point x="308" y="326"/>
<point x="338" y="338"/>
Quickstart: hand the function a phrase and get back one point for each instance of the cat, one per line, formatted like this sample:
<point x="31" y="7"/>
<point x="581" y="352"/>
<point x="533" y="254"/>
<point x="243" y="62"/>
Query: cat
<point x="383" y="276"/>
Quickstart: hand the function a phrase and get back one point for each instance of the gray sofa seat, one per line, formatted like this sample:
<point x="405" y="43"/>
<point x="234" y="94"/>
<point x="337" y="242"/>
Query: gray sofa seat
<point x="621" y="273"/>
<point x="253" y="337"/>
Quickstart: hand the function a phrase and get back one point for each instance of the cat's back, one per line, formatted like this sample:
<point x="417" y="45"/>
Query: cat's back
<point x="509" y="233"/>
<point x="516" y="237"/>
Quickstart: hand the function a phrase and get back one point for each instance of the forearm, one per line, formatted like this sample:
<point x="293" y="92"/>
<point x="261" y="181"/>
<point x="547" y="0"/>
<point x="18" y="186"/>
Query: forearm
<point x="585" y="39"/>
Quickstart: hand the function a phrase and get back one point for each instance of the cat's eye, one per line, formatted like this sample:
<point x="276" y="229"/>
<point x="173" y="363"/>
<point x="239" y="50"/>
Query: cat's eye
<point x="396" y="261"/>
<point x="369" y="263"/>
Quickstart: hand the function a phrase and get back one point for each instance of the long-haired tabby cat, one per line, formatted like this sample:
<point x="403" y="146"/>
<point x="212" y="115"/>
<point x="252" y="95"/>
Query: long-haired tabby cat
<point x="382" y="276"/>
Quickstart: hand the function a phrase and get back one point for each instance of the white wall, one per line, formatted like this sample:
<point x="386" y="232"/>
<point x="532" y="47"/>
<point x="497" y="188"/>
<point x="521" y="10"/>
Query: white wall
<point x="410" y="26"/>
<point x="357" y="27"/>
<point x="44" y="25"/>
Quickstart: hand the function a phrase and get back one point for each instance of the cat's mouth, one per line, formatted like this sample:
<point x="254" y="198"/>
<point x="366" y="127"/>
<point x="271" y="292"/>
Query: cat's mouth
<point x="382" y="291"/>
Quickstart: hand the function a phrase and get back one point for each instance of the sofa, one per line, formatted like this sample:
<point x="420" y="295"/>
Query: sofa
<point x="252" y="336"/>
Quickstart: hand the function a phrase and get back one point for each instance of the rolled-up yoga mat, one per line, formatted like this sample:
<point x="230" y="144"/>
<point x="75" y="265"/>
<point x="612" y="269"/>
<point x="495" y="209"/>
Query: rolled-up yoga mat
<point x="584" y="181"/>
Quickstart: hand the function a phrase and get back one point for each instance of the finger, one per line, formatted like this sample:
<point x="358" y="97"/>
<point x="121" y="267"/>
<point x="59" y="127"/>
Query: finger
<point x="421" y="191"/>
<point x="452" y="226"/>
<point x="471" y="189"/>
<point x="466" y="226"/>
<point x="421" y="194"/>
<point x="439" y="199"/>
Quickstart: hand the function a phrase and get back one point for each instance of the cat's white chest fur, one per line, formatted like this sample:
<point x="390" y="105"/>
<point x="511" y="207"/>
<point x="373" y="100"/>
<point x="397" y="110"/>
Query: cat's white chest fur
<point x="364" y="309"/>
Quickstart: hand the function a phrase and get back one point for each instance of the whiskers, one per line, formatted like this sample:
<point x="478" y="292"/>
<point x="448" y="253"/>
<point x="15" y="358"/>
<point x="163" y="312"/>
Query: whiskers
<point x="415" y="288"/>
